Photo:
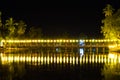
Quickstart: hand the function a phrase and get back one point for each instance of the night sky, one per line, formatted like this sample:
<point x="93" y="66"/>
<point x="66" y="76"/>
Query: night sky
<point x="57" y="17"/>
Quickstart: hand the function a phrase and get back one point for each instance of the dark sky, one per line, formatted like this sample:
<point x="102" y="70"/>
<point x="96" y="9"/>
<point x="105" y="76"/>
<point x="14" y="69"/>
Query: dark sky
<point x="57" y="17"/>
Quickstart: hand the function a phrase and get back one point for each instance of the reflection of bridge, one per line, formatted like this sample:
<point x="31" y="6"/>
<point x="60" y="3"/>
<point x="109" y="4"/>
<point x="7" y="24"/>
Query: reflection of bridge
<point x="64" y="45"/>
<point x="59" y="58"/>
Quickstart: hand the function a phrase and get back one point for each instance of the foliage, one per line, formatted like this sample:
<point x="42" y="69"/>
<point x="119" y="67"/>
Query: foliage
<point x="65" y="35"/>
<point x="111" y="23"/>
<point x="20" y="31"/>
<point x="108" y="10"/>
<point x="10" y="26"/>
<point x="35" y="32"/>
<point x="111" y="71"/>
<point x="12" y="29"/>
<point x="82" y="36"/>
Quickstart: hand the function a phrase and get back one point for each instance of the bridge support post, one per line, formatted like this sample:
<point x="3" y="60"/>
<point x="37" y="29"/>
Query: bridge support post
<point x="53" y="49"/>
<point x="90" y="50"/>
<point x="48" y="50"/>
<point x="72" y="49"/>
<point x="97" y="50"/>
<point x="103" y="50"/>
<point x="65" y="49"/>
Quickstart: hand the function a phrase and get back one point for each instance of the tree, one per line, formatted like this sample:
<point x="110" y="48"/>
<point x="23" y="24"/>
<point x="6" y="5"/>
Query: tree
<point x="10" y="25"/>
<point x="0" y="25"/>
<point x="21" y="29"/>
<point x="0" y="20"/>
<point x="11" y="29"/>
<point x="65" y="35"/>
<point x="111" y="71"/>
<point x="111" y="23"/>
<point x="35" y="32"/>
<point x="108" y="10"/>
<point x="82" y="36"/>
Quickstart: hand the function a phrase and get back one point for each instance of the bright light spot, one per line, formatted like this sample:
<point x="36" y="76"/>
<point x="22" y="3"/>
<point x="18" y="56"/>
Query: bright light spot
<point x="38" y="59"/>
<point x="54" y="59"/>
<point x="76" y="60"/>
<point x="70" y="59"/>
<point x="48" y="59"/>
<point x="57" y="49"/>
<point x="111" y="56"/>
<point x="42" y="59"/>
<point x="27" y="59"/>
<point x="45" y="59"/>
<point x="73" y="60"/>
<point x="33" y="59"/>
<point x="81" y="43"/>
<point x="64" y="60"/>
<point x="112" y="46"/>
<point x="1" y="44"/>
<point x="81" y="51"/>
<point x="61" y="59"/>
<point x="58" y="60"/>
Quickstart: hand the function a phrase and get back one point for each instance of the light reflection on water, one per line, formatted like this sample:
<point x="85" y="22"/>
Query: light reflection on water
<point x="104" y="66"/>
<point x="47" y="58"/>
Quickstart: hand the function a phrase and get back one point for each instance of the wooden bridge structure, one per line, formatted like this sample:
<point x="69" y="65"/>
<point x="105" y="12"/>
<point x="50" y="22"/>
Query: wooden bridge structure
<point x="64" y="45"/>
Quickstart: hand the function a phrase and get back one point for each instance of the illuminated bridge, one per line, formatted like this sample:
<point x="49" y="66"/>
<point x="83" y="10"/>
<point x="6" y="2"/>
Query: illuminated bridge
<point x="64" y="45"/>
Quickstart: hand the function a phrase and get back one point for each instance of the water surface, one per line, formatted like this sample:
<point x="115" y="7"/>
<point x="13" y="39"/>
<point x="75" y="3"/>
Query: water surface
<point x="38" y="65"/>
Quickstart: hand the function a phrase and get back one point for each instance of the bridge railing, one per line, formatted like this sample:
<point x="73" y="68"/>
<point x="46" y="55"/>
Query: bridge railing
<point x="61" y="42"/>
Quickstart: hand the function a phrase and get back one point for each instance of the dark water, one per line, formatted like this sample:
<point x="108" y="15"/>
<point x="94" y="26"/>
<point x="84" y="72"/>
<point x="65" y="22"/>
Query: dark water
<point x="35" y="65"/>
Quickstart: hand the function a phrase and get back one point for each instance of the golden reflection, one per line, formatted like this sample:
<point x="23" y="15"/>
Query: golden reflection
<point x="93" y="58"/>
<point x="41" y="59"/>
<point x="44" y="60"/>
<point x="54" y="59"/>
<point x="33" y="59"/>
<point x="86" y="60"/>
<point x="90" y="58"/>
<point x="76" y="60"/>
<point x="73" y="60"/>
<point x="38" y="59"/>
<point x="111" y="56"/>
<point x="61" y="59"/>
<point x="58" y="58"/>
<point x="83" y="59"/>
<point x="27" y="59"/>
<point x="119" y="58"/>
<point x="110" y="70"/>
<point x="104" y="59"/>
<point x="70" y="59"/>
<point x="48" y="59"/>
<point x="80" y="59"/>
